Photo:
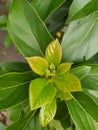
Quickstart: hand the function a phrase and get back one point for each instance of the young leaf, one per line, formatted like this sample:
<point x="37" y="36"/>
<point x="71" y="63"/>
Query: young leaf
<point x="54" y="52"/>
<point x="77" y="41"/>
<point x="60" y="125"/>
<point x="48" y="112"/>
<point x="64" y="95"/>
<point x="41" y="92"/>
<point x="30" y="33"/>
<point x="63" y="68"/>
<point x="68" y="83"/>
<point x="38" y="64"/>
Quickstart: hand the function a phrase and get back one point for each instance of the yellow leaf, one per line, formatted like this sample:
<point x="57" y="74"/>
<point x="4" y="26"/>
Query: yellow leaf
<point x="63" y="68"/>
<point x="38" y="64"/>
<point x="54" y="52"/>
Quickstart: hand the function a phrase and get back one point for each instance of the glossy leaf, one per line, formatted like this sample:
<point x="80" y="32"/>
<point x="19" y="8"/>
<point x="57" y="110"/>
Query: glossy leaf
<point x="13" y="67"/>
<point x="88" y="104"/>
<point x="82" y="8"/>
<point x="30" y="34"/>
<point x="68" y="83"/>
<point x="81" y="119"/>
<point x="76" y="7"/>
<point x="64" y="95"/>
<point x="45" y="8"/>
<point x="92" y="94"/>
<point x="81" y="33"/>
<point x="48" y="112"/>
<point x="63" y="68"/>
<point x="38" y="64"/>
<point x="56" y="21"/>
<point x="14" y="88"/>
<point x="41" y="92"/>
<point x="93" y="60"/>
<point x="91" y="79"/>
<point x="54" y="52"/>
<point x="81" y="71"/>
<point x="57" y="125"/>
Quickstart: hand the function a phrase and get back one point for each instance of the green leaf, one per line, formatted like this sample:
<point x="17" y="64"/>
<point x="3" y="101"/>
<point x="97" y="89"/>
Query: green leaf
<point x="91" y="79"/>
<point x="14" y="88"/>
<point x="92" y="94"/>
<point x="88" y="104"/>
<point x="81" y="119"/>
<point x="63" y="68"/>
<point x="27" y="120"/>
<point x="2" y="126"/>
<point x="93" y="60"/>
<point x="14" y="112"/>
<point x="45" y="8"/>
<point x="56" y="125"/>
<point x="27" y="30"/>
<point x="81" y="71"/>
<point x="22" y="123"/>
<point x="13" y="67"/>
<point x="7" y="41"/>
<point x="68" y="83"/>
<point x="77" y="41"/>
<point x="48" y="112"/>
<point x="3" y="21"/>
<point x="54" y="52"/>
<point x="64" y="95"/>
<point x="41" y="92"/>
<point x="62" y="111"/>
<point x="82" y="8"/>
<point x="56" y="21"/>
<point x="38" y="64"/>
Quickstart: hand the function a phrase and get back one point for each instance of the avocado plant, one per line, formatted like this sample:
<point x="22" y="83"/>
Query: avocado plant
<point x="56" y="88"/>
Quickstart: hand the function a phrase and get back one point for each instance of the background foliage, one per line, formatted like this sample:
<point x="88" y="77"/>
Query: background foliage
<point x="32" y="25"/>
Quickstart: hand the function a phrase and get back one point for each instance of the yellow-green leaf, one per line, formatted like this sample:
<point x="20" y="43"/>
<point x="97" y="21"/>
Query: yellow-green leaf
<point x="63" y="68"/>
<point x="38" y="64"/>
<point x="64" y="95"/>
<point x="54" y="52"/>
<point x="41" y="92"/>
<point x="48" y="112"/>
<point x="68" y="83"/>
